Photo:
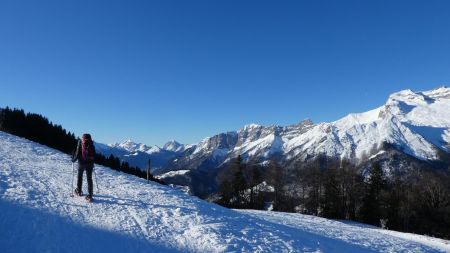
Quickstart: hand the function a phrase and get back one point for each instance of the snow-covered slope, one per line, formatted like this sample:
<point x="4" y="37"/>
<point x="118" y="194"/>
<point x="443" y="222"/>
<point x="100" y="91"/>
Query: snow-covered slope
<point x="416" y="122"/>
<point x="128" y="215"/>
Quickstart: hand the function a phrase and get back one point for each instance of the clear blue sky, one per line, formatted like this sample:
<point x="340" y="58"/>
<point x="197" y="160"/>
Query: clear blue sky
<point x="159" y="70"/>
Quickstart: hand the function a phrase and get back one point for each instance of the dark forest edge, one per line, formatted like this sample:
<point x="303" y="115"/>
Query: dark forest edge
<point x="417" y="201"/>
<point x="38" y="128"/>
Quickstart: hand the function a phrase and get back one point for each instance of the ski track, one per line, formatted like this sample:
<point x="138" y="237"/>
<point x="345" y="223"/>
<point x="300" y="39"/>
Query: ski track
<point x="128" y="215"/>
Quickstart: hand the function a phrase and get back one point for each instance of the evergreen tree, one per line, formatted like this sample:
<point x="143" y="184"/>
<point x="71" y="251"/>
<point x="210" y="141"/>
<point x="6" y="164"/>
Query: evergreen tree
<point x="354" y="188"/>
<point x="371" y="211"/>
<point x="226" y="193"/>
<point x="313" y="180"/>
<point x="332" y="196"/>
<point x="275" y="177"/>
<point x="394" y="201"/>
<point x="239" y="183"/>
<point x="256" y="197"/>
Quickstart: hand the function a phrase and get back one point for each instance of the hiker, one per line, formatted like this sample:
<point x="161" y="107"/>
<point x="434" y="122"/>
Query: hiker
<point x="85" y="154"/>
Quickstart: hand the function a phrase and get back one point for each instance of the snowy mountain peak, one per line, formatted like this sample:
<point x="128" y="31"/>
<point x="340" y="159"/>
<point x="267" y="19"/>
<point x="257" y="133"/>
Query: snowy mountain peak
<point x="409" y="97"/>
<point x="133" y="147"/>
<point x="416" y="122"/>
<point x="153" y="149"/>
<point x="174" y="146"/>
<point x="441" y="92"/>
<point x="251" y="126"/>
<point x="305" y="122"/>
<point x="130" y="146"/>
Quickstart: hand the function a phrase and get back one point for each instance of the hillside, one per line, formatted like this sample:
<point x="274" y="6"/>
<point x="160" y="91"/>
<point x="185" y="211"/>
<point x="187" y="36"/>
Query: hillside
<point x="129" y="215"/>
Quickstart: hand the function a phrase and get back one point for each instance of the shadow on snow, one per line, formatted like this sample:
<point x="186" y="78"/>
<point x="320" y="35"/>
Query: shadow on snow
<point x="24" y="229"/>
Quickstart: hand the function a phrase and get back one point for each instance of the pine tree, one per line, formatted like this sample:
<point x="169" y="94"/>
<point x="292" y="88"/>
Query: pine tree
<point x="395" y="200"/>
<point x="239" y="183"/>
<point x="256" y="198"/>
<point x="312" y="179"/>
<point x="371" y="211"/>
<point x="354" y="188"/>
<point x="332" y="197"/>
<point x="275" y="177"/>
<point x="226" y="193"/>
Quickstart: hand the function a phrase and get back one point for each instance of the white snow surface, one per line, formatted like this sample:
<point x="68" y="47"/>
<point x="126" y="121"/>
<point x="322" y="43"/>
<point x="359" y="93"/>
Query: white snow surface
<point x="129" y="215"/>
<point x="173" y="173"/>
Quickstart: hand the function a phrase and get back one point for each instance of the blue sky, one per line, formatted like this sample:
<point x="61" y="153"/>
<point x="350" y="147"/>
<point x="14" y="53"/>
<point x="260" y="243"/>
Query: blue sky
<point x="160" y="70"/>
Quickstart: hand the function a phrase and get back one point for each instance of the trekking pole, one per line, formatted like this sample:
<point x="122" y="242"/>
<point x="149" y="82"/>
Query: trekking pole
<point x="95" y="175"/>
<point x="71" y="187"/>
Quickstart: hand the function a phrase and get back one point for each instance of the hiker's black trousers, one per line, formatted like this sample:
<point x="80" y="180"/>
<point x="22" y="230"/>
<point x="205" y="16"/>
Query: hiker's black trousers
<point x="88" y="168"/>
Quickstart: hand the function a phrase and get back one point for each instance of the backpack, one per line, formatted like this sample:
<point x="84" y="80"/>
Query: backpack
<point x="87" y="151"/>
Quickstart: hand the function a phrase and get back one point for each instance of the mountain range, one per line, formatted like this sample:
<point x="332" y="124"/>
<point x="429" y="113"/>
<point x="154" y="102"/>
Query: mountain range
<point x="138" y="154"/>
<point x="411" y="127"/>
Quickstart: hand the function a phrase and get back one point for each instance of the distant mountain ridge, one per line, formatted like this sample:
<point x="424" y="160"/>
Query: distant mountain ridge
<point x="418" y="123"/>
<point x="413" y="124"/>
<point x="138" y="154"/>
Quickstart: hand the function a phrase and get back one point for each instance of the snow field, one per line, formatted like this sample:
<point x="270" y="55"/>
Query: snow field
<point x="129" y="215"/>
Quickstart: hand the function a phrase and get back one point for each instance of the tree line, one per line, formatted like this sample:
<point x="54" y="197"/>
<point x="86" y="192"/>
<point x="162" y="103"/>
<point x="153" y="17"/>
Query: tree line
<point x="38" y="128"/>
<point x="415" y="201"/>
